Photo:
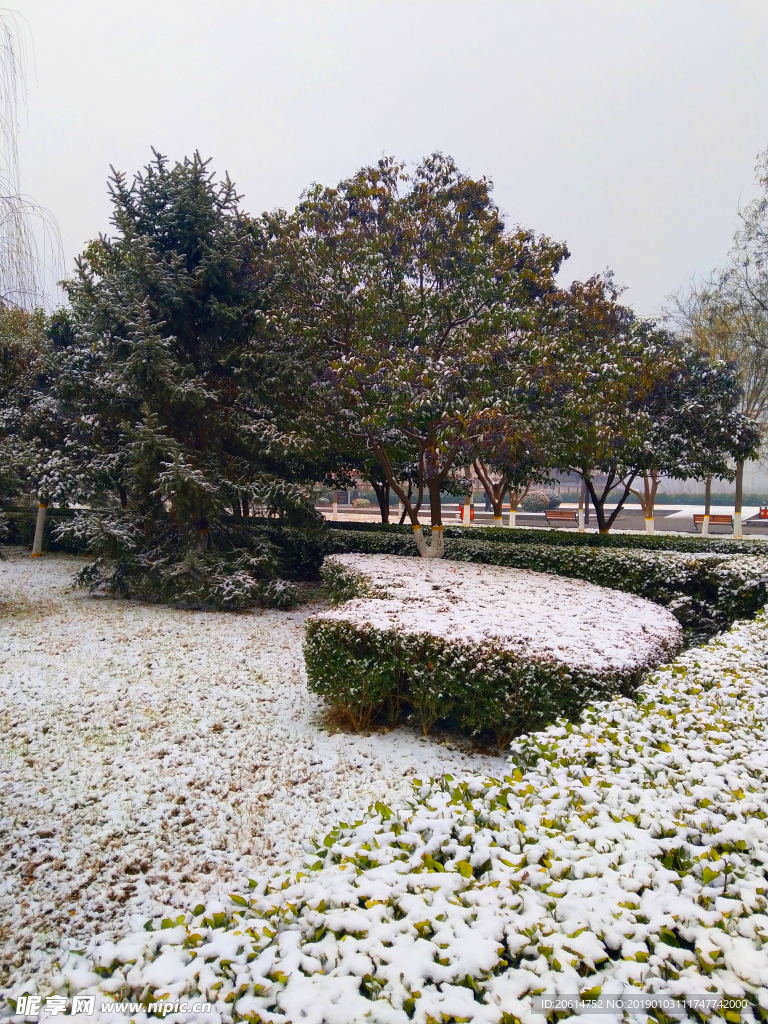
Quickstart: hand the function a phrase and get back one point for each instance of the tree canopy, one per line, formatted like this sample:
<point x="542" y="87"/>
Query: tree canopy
<point x="418" y="299"/>
<point x="213" y="367"/>
<point x="186" y="390"/>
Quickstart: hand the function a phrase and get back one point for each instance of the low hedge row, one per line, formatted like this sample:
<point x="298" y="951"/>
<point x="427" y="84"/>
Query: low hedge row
<point x="693" y="544"/>
<point x="706" y="592"/>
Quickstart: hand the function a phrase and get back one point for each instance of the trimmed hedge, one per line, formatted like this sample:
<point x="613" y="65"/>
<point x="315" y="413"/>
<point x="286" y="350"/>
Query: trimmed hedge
<point x="364" y="672"/>
<point x="706" y="593"/>
<point x="693" y="544"/>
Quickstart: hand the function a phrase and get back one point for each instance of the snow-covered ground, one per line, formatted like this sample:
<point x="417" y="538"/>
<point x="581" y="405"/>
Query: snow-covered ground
<point x="148" y="754"/>
<point x="623" y="855"/>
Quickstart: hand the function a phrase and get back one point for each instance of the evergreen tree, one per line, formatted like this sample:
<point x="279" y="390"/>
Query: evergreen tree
<point x="420" y="301"/>
<point x="626" y="399"/>
<point x="183" y="394"/>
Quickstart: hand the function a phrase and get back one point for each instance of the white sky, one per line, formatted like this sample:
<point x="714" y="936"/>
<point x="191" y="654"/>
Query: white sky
<point x="628" y="129"/>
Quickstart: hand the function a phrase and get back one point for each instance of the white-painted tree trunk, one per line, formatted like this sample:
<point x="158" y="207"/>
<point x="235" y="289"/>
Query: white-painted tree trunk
<point x="650" y="526"/>
<point x="37" y="544"/>
<point x="335" y="507"/>
<point x="705" y="526"/>
<point x="512" y="518"/>
<point x="737" y="532"/>
<point x="498" y="521"/>
<point x="581" y="519"/>
<point x="434" y="550"/>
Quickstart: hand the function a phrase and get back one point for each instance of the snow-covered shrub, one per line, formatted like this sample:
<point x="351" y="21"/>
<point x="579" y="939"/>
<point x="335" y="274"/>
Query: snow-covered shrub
<point x="257" y="563"/>
<point x="555" y="501"/>
<point x="361" y="503"/>
<point x="21" y="530"/>
<point x="535" y="501"/>
<point x="692" y="543"/>
<point x="627" y="851"/>
<point x="706" y="592"/>
<point x="487" y="648"/>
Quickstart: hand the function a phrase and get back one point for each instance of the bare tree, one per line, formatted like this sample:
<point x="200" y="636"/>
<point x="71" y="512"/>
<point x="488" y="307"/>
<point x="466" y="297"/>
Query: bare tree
<point x="31" y="257"/>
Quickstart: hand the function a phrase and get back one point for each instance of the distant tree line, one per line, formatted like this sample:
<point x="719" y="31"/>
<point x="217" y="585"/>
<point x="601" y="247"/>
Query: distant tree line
<point x="212" y="368"/>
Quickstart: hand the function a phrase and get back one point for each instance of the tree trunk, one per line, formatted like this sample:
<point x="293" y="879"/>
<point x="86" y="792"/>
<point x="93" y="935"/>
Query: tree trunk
<point x="582" y="503"/>
<point x="436" y="549"/>
<point x="246" y="508"/>
<point x="466" y="515"/>
<point x="382" y="496"/>
<point x="737" y="531"/>
<point x="428" y="474"/>
<point x="335" y="505"/>
<point x="707" y="506"/>
<point x="236" y="509"/>
<point x="494" y="491"/>
<point x="647" y="497"/>
<point x="123" y="497"/>
<point x="401" y="503"/>
<point x="37" y="544"/>
<point x="604" y="525"/>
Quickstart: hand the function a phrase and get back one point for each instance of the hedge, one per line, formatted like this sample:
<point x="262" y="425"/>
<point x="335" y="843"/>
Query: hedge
<point x="420" y="668"/>
<point x="706" y="593"/>
<point x="693" y="544"/>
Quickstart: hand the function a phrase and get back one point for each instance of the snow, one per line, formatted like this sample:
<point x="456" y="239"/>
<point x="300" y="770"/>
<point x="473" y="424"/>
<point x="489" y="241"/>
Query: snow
<point x="534" y="615"/>
<point x="624" y="853"/>
<point x="153" y="754"/>
<point x="627" y="853"/>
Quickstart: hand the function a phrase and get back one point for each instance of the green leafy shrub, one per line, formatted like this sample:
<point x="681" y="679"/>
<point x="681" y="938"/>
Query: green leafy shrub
<point x="706" y="592"/>
<point x="364" y="673"/>
<point x="414" y="663"/>
<point x="693" y="544"/>
<point x="535" y="501"/>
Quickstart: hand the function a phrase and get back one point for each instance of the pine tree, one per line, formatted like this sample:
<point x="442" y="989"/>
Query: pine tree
<point x="183" y="393"/>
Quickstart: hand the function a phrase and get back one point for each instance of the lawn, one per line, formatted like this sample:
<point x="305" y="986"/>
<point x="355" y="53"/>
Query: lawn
<point x="149" y="755"/>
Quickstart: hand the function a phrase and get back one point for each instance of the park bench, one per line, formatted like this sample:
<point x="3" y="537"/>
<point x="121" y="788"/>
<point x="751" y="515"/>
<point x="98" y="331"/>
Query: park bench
<point x="554" y="516"/>
<point x="698" y="519"/>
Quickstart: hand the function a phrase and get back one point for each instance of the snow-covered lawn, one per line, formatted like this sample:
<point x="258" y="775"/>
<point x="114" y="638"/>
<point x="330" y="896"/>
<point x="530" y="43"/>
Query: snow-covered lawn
<point x="155" y="755"/>
<point x="628" y="852"/>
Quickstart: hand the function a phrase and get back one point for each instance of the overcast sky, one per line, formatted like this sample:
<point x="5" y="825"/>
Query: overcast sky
<point x="628" y="129"/>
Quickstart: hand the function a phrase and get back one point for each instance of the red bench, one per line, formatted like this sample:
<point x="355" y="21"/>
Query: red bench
<point x="561" y="515"/>
<point x="698" y="519"/>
